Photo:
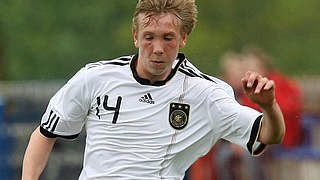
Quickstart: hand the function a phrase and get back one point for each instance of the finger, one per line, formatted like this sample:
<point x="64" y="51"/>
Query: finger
<point x="252" y="78"/>
<point x="261" y="83"/>
<point x="244" y="81"/>
<point x="269" y="85"/>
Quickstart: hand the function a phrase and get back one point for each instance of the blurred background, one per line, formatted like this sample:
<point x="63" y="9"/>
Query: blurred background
<point x="43" y="44"/>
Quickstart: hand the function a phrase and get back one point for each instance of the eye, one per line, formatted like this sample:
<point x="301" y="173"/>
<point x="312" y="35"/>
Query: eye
<point x="148" y="37"/>
<point x="168" y="38"/>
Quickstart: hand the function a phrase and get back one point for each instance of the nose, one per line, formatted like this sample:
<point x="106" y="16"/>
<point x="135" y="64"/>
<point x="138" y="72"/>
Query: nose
<point x="158" y="48"/>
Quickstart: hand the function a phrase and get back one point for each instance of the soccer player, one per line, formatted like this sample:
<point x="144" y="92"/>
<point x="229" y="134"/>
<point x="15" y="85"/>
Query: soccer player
<point x="151" y="115"/>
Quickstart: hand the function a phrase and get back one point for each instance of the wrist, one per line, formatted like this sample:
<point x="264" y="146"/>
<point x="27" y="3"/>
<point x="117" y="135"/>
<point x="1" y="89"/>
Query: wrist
<point x="269" y="106"/>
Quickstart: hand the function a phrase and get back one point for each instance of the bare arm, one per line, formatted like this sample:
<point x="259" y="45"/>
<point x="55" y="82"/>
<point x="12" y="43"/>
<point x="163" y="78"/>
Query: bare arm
<point x="36" y="155"/>
<point x="261" y="91"/>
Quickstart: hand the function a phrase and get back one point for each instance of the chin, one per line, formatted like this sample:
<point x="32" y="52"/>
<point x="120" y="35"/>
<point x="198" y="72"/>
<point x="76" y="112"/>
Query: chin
<point x="157" y="73"/>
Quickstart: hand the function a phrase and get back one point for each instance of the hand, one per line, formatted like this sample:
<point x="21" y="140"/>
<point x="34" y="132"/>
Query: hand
<point x="259" y="90"/>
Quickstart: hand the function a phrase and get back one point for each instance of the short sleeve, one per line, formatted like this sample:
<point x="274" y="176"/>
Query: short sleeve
<point x="67" y="109"/>
<point x="235" y="123"/>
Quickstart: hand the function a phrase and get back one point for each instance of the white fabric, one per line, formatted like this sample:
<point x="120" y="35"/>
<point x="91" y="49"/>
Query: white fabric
<point x="142" y="144"/>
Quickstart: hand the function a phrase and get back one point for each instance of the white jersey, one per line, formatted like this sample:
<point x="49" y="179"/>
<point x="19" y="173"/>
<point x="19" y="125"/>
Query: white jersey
<point x="138" y="130"/>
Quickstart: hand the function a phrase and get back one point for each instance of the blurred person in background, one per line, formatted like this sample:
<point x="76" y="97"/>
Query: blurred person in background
<point x="288" y="93"/>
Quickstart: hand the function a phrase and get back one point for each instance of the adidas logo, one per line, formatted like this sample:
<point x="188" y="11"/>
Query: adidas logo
<point x="147" y="99"/>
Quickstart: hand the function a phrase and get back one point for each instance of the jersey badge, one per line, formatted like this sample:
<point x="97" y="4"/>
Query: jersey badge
<point x="179" y="115"/>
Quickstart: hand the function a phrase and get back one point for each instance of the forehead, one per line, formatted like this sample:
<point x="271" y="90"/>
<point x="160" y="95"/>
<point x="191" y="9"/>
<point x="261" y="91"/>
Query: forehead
<point x="167" y="21"/>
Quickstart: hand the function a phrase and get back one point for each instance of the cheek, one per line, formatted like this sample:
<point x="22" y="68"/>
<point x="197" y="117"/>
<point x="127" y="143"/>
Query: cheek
<point x="146" y="46"/>
<point x="172" y="45"/>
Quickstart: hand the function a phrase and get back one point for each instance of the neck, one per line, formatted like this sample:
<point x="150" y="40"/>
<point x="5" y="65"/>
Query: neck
<point x="152" y="77"/>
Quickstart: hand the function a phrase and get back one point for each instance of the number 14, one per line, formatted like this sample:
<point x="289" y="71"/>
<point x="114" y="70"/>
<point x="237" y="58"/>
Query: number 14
<point x="116" y="109"/>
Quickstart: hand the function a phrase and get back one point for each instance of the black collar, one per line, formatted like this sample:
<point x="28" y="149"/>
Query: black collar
<point x="143" y="81"/>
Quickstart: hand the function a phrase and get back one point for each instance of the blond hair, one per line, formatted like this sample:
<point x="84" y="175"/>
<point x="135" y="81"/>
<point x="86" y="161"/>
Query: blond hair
<point x="185" y="10"/>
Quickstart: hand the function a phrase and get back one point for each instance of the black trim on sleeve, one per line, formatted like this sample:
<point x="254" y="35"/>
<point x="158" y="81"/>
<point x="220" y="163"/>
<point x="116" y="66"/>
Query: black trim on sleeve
<point x="259" y="149"/>
<point x="48" y="134"/>
<point x="254" y="133"/>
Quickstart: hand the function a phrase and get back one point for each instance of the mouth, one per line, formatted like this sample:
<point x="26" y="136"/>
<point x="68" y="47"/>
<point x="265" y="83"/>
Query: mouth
<point x="156" y="62"/>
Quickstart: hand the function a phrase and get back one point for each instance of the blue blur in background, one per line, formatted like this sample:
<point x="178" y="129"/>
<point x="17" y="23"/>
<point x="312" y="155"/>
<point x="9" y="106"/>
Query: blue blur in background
<point x="6" y="144"/>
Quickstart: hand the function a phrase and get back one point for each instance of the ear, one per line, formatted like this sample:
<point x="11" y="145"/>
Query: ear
<point x="135" y="36"/>
<point x="183" y="40"/>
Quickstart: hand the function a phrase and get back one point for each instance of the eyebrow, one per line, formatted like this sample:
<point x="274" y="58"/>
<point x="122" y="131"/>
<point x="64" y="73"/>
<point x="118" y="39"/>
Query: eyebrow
<point x="147" y="33"/>
<point x="171" y="33"/>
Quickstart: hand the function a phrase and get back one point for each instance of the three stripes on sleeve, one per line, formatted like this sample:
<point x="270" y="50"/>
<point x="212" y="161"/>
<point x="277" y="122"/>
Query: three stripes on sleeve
<point x="51" y="123"/>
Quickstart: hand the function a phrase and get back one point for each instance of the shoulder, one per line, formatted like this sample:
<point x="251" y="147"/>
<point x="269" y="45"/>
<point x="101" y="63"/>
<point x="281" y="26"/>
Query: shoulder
<point x="225" y="86"/>
<point x="107" y="67"/>
<point x="198" y="77"/>
<point x="117" y="62"/>
<point x="95" y="74"/>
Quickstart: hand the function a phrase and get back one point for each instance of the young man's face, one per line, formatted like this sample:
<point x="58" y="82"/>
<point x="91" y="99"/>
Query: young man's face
<point x="158" y="40"/>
